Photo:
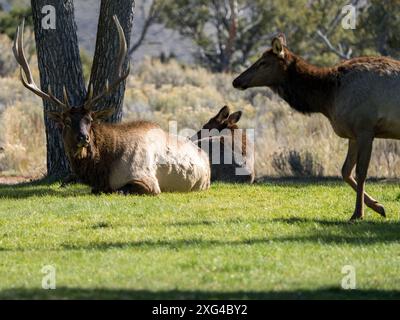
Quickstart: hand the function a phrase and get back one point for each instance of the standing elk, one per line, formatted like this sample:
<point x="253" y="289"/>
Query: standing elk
<point x="229" y="150"/>
<point x="137" y="157"/>
<point x="360" y="97"/>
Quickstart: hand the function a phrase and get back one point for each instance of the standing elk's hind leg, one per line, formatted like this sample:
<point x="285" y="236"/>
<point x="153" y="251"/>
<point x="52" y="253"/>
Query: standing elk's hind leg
<point x="364" y="149"/>
<point x="347" y="169"/>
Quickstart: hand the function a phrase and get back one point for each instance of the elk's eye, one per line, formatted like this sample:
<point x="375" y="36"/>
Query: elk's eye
<point x="262" y="63"/>
<point x="67" y="122"/>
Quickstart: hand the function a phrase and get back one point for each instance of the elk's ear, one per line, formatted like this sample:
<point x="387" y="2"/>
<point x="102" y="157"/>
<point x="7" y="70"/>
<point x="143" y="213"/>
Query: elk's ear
<point x="101" y="115"/>
<point x="235" y="117"/>
<point x="277" y="46"/>
<point x="55" y="116"/>
<point x="282" y="37"/>
<point x="223" y="114"/>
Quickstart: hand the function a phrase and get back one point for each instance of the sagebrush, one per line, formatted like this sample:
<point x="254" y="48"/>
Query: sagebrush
<point x="286" y="143"/>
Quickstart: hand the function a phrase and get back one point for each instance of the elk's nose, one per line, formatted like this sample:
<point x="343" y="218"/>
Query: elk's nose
<point x="236" y="83"/>
<point x="83" y="138"/>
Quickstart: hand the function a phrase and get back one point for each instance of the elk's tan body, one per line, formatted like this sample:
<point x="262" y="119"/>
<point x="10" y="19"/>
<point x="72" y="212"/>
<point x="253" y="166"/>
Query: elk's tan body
<point x="360" y="97"/>
<point x="367" y="98"/>
<point x="147" y="153"/>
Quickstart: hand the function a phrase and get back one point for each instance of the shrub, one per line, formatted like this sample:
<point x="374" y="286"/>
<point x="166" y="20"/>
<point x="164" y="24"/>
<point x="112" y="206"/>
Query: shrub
<point x="296" y="163"/>
<point x="286" y="142"/>
<point x="7" y="61"/>
<point x="22" y="139"/>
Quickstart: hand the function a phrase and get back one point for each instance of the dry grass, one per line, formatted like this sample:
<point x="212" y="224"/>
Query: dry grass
<point x="287" y="143"/>
<point x="7" y="63"/>
<point x="23" y="139"/>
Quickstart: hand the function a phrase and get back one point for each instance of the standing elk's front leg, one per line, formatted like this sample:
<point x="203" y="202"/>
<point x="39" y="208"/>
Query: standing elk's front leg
<point x="364" y="149"/>
<point x="347" y="169"/>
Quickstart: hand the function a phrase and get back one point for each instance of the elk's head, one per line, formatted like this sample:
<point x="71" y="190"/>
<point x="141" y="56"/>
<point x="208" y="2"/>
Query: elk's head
<point x="269" y="70"/>
<point x="223" y="120"/>
<point x="76" y="126"/>
<point x="75" y="121"/>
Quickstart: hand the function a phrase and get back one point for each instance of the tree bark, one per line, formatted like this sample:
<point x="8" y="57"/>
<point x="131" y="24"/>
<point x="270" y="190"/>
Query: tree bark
<point x="59" y="65"/>
<point x="106" y="52"/>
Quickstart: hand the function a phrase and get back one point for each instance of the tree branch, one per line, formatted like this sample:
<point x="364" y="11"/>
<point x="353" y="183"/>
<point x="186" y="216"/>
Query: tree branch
<point x="152" y="16"/>
<point x="338" y="51"/>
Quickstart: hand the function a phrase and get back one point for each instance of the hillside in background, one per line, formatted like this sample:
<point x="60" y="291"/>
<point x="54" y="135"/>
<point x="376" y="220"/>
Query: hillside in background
<point x="159" y="40"/>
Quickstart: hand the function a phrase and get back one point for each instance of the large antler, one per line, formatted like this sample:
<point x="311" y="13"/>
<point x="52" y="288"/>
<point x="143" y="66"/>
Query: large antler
<point x="90" y="100"/>
<point x="26" y="74"/>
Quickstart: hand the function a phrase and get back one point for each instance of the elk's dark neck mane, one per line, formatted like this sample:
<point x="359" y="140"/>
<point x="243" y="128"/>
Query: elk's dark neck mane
<point x="307" y="88"/>
<point x="93" y="164"/>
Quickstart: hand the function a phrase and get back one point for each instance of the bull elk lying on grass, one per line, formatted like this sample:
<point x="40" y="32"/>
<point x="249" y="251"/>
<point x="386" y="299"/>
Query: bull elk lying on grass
<point x="137" y="157"/>
<point x="230" y="152"/>
<point x="360" y="97"/>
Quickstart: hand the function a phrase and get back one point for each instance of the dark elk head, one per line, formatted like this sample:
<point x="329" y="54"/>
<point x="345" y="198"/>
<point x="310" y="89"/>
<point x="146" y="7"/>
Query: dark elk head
<point x="223" y="120"/>
<point x="269" y="70"/>
<point x="75" y="121"/>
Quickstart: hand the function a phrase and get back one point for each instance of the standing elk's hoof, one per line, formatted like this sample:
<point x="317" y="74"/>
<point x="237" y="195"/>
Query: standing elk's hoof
<point x="356" y="217"/>
<point x="380" y="209"/>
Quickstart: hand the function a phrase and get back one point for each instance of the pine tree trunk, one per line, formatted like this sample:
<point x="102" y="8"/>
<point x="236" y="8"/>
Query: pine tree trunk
<point x="59" y="65"/>
<point x="106" y="52"/>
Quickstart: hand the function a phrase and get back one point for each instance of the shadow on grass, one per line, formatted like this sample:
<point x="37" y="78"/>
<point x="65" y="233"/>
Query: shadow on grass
<point x="290" y="220"/>
<point x="78" y="293"/>
<point x="377" y="231"/>
<point x="45" y="186"/>
<point x="200" y="243"/>
<point x="38" y="188"/>
<point x="334" y="232"/>
<point x="363" y="225"/>
<point x="103" y="293"/>
<point x="339" y="233"/>
<point x="318" y="180"/>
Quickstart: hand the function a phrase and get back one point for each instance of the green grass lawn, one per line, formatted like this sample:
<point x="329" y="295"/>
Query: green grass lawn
<point x="280" y="239"/>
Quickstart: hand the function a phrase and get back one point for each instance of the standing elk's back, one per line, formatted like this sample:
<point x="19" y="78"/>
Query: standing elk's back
<point x="137" y="157"/>
<point x="230" y="152"/>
